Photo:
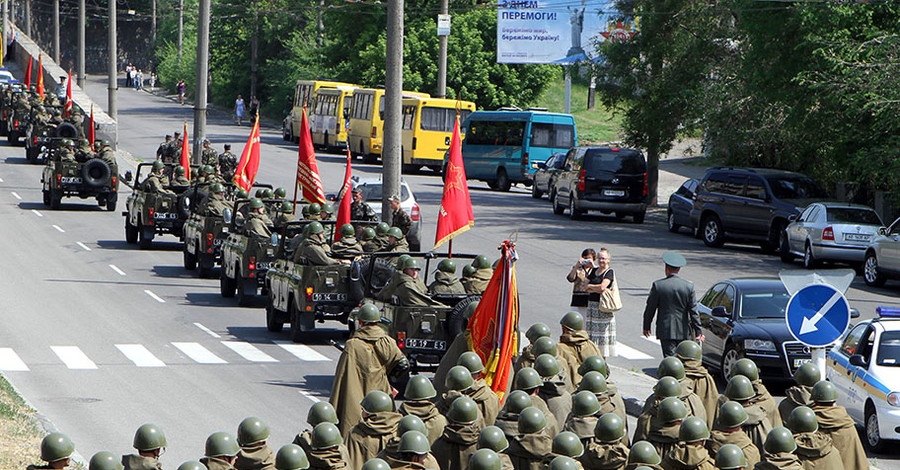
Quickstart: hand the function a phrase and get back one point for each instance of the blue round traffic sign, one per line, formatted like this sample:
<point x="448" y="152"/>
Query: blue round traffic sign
<point x="817" y="315"/>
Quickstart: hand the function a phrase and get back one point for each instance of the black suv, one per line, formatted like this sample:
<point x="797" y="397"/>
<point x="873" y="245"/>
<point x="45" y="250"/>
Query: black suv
<point x="750" y="204"/>
<point x="605" y="179"/>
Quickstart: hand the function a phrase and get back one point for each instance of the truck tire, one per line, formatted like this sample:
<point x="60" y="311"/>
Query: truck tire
<point x="46" y="195"/>
<point x="96" y="173"/>
<point x="55" y="199"/>
<point x="111" y="200"/>
<point x="145" y="237"/>
<point x="131" y="233"/>
<point x="246" y="291"/>
<point x="227" y="285"/>
<point x="456" y="320"/>
<point x="205" y="264"/>
<point x="13" y="137"/>
<point x="67" y="130"/>
<point x="274" y="319"/>
<point x="190" y="259"/>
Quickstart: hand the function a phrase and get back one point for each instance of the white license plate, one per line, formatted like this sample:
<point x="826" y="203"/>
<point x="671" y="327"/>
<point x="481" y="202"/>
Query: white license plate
<point x="613" y="192"/>
<point x="70" y="180"/>
<point x="217" y="242"/>
<point x="856" y="237"/>
<point x="164" y="215"/>
<point x="329" y="297"/>
<point x="263" y="265"/>
<point x="800" y="362"/>
<point x="426" y="344"/>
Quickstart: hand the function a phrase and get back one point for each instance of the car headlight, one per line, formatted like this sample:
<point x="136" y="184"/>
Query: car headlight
<point x="893" y="399"/>
<point x="759" y="345"/>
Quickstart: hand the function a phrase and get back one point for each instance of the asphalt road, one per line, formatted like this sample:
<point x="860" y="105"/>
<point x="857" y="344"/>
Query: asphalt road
<point x="106" y="337"/>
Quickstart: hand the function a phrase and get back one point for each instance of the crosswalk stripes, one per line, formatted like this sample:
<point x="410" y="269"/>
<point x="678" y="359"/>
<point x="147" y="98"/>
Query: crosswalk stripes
<point x="73" y="357"/>
<point x="304" y="353"/>
<point x="631" y="353"/>
<point x="652" y="340"/>
<point x="10" y="361"/>
<point x="139" y="355"/>
<point x="248" y="351"/>
<point x="199" y="354"/>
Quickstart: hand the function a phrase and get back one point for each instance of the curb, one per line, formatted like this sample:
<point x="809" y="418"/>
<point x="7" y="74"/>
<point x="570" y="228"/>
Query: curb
<point x="638" y="384"/>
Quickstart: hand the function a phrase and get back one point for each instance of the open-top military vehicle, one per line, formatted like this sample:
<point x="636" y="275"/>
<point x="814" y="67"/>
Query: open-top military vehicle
<point x="150" y="213"/>
<point x="88" y="179"/>
<point x="40" y="139"/>
<point x="203" y="233"/>
<point x="245" y="259"/>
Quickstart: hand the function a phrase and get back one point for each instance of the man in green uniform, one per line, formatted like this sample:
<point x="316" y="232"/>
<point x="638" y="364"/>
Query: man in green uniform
<point x="327" y="212"/>
<point x="172" y="150"/>
<point x="806" y="377"/>
<point x="149" y="441"/>
<point x="255" y="454"/>
<point x="413" y="453"/>
<point x="396" y="242"/>
<point x="554" y="391"/>
<point x="328" y="450"/>
<point x="691" y="453"/>
<point x="285" y="214"/>
<point x="546" y="345"/>
<point x="567" y="444"/>
<point x="762" y="397"/>
<point x="209" y="156"/>
<point x="378" y="425"/>
<point x="399" y="217"/>
<point x="56" y="450"/>
<point x="347" y="246"/>
<point x="779" y="450"/>
<point x="76" y="118"/>
<point x="529" y="381"/>
<point x="574" y="344"/>
<point x="180" y="180"/>
<point x="665" y="425"/>
<point x="312" y="211"/>
<point x="533" y="444"/>
<point x="257" y="224"/>
<point x="697" y="377"/>
<point x="409" y="291"/>
<point x="221" y="451"/>
<point x="445" y="281"/>
<point x="838" y="425"/>
<point x="487" y="400"/>
<point x="83" y="151"/>
<point x="492" y="438"/>
<point x="757" y="425"/>
<point x="228" y="163"/>
<point x="585" y="413"/>
<point x="608" y="449"/>
<point x="673" y="303"/>
<point x="381" y="235"/>
<point x="314" y="248"/>
<point x="458" y="382"/>
<point x="67" y="151"/>
<point x="460" y="437"/>
<point x="154" y="182"/>
<point x="109" y="156"/>
<point x="478" y="281"/>
<point x="728" y="430"/>
<point x="417" y="402"/>
<point x="291" y="457"/>
<point x="359" y="210"/>
<point x="368" y="241"/>
<point x="643" y="454"/>
<point x="407" y="423"/>
<point x="320" y="412"/>
<point x="104" y="460"/>
<point x="162" y="147"/>
<point x="815" y="450"/>
<point x="730" y="457"/>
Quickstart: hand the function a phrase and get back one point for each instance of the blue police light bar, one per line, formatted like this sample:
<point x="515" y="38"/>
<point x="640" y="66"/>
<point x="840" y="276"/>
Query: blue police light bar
<point x="888" y="312"/>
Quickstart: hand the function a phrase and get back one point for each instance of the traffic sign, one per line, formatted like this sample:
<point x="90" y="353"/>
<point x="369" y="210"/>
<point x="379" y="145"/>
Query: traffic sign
<point x="817" y="315"/>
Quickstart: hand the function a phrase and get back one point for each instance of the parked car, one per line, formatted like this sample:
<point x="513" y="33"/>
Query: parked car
<point x="546" y="174"/>
<point x="830" y="231"/>
<point x="864" y="367"/>
<point x="680" y="203"/>
<point x="882" y="259"/>
<point x="371" y="192"/>
<point x="752" y="204"/>
<point x="605" y="179"/>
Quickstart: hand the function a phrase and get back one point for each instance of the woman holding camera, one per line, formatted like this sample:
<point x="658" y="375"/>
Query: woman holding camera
<point x="580" y="276"/>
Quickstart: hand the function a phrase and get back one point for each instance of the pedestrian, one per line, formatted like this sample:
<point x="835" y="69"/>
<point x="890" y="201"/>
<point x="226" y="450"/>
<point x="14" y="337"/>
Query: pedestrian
<point x="578" y="276"/>
<point x="139" y="80"/>
<point x="128" y="69"/>
<point x="152" y="79"/>
<point x="239" y="109"/>
<point x="672" y="300"/>
<point x="254" y="109"/>
<point x="132" y="74"/>
<point x="180" y="88"/>
<point x="603" y="302"/>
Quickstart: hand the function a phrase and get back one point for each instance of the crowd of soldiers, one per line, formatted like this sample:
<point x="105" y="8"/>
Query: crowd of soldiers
<point x="28" y="106"/>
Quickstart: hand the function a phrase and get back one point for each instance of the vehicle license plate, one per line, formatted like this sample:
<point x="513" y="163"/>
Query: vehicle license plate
<point x="70" y="180"/>
<point x="856" y="237"/>
<point x="329" y="297"/>
<point x="800" y="362"/>
<point x="613" y="192"/>
<point x="426" y="344"/>
<point x="165" y="215"/>
<point x="263" y="265"/>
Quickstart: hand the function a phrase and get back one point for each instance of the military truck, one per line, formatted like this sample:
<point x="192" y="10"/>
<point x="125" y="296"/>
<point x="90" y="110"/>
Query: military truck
<point x="39" y="139"/>
<point x="90" y="179"/>
<point x="150" y="214"/>
<point x="203" y="233"/>
<point x="245" y="260"/>
<point x="7" y="91"/>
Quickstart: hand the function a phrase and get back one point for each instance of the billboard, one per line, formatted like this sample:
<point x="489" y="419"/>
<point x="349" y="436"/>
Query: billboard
<point x="556" y="31"/>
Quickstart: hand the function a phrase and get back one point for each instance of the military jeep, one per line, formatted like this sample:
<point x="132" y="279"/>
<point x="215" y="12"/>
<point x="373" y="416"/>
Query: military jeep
<point x="91" y="179"/>
<point x="203" y="234"/>
<point x="41" y="139"/>
<point x="245" y="260"/>
<point x="150" y="214"/>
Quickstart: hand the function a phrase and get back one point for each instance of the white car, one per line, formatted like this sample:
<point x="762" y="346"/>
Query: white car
<point x="865" y="368"/>
<point x="371" y="192"/>
<point x="883" y="256"/>
<point x="6" y="76"/>
<point x="831" y="231"/>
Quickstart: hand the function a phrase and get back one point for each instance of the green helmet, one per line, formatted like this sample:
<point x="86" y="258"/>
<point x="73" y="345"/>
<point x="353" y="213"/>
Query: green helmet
<point x="256" y="203"/>
<point x="689" y="350"/>
<point x="321" y="412"/>
<point x="527" y="378"/>
<point x="149" y="437"/>
<point x="493" y="438"/>
<point x="538" y="330"/>
<point x="192" y="465"/>
<point x="730" y="457"/>
<point x="447" y="266"/>
<point x="803" y="419"/>
<point x="221" y="444"/>
<point x="304" y="211"/>
<point x="463" y="410"/>
<point x="484" y="459"/>
<point x="326" y="435"/>
<point x="544" y="345"/>
<point x="369" y="313"/>
<point x="217" y="188"/>
<point x="643" y="452"/>
<point x="531" y="420"/>
<point x="328" y="208"/>
<point x="458" y="378"/>
<point x="671" y="409"/>
<point x="395" y="232"/>
<point x="347" y="230"/>
<point x="481" y="262"/>
<point x="470" y="309"/>
<point x="56" y="446"/>
<point x="280" y="193"/>
<point x="252" y="431"/>
<point x="671" y="367"/>
<point x="517" y="401"/>
<point x="471" y="361"/>
<point x="807" y="375"/>
<point x="585" y="403"/>
<point x="179" y="170"/>
<point x="568" y="444"/>
<point x="419" y="388"/>
<point x="287" y="207"/>
<point x="68" y="143"/>
<point x="291" y="457"/>
<point x="382" y="229"/>
<point x="315" y="228"/>
<point x="572" y="321"/>
<point x="747" y="368"/>
<point x="596" y="363"/>
<point x="469" y="270"/>
<point x="104" y="460"/>
<point x="667" y="387"/>
<point x="368" y="233"/>
<point x="824" y="392"/>
<point x="739" y="388"/>
<point x="377" y="401"/>
<point x="564" y="463"/>
<point x="82" y="141"/>
<point x="267" y="193"/>
<point x="243" y="194"/>
<point x="411" y="263"/>
<point x="401" y="260"/>
<point x="411" y="423"/>
<point x="376" y="464"/>
<point x="158" y="165"/>
<point x="206" y="170"/>
<point x="260" y="193"/>
<point x="314" y="208"/>
<point x="414" y="442"/>
<point x="546" y="366"/>
<point x="693" y="429"/>
<point x="610" y="428"/>
<point x="593" y="382"/>
<point x="732" y="415"/>
<point x="779" y="440"/>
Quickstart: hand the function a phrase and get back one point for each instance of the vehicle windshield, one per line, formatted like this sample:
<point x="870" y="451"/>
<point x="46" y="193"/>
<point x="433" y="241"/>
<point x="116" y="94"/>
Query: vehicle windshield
<point x="620" y="163"/>
<point x="764" y="302"/>
<point x="849" y="215"/>
<point x="889" y="349"/>
<point x="795" y="187"/>
<point x="372" y="192"/>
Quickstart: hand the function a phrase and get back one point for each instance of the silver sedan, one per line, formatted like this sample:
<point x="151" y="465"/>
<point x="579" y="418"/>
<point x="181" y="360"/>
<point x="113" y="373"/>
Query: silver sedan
<point x="830" y="231"/>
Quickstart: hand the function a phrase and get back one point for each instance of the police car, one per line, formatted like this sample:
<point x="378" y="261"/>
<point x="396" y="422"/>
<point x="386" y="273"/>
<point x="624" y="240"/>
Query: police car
<point x="865" y="367"/>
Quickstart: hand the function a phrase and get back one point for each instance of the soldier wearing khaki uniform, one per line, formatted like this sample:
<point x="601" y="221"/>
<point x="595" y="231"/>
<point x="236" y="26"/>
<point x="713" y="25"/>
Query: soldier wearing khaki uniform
<point x="149" y="441"/>
<point x="255" y="454"/>
<point x="314" y="248"/>
<point x="418" y="395"/>
<point x="378" y="425"/>
<point x="835" y="423"/>
<point x="731" y="417"/>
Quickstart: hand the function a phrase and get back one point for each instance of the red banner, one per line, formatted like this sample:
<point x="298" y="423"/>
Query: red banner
<point x="307" y="169"/>
<point x="28" y="73"/>
<point x="68" y="106"/>
<point x="91" y="136"/>
<point x="185" y="154"/>
<point x="345" y="196"/>
<point x="40" y="76"/>
<point x="248" y="166"/>
<point x="455" y="215"/>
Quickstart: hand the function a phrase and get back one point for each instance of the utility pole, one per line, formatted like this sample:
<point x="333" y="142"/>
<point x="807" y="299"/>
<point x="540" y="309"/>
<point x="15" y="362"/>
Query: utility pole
<point x="254" y="50"/>
<point x="55" y="31"/>
<point x="113" y="109"/>
<point x="152" y="25"/>
<point x="568" y="94"/>
<point x="28" y="18"/>
<point x="442" y="53"/>
<point x="393" y="97"/>
<point x="5" y="32"/>
<point x="202" y="74"/>
<point x="180" y="28"/>
<point x="81" y="24"/>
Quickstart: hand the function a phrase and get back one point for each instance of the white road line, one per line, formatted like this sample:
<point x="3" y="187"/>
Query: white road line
<point x="652" y="340"/>
<point x="73" y="357"/>
<point x="37" y="213"/>
<point x="140" y="355"/>
<point x="154" y="296"/>
<point x="83" y="246"/>
<point x="304" y="353"/>
<point x="10" y="361"/>
<point x="122" y="273"/>
<point x="16" y="195"/>
<point x="308" y="395"/>
<point x="207" y="330"/>
<point x="248" y="351"/>
<point x="631" y="353"/>
<point x="57" y="227"/>
<point x="1" y="180"/>
<point x="199" y="353"/>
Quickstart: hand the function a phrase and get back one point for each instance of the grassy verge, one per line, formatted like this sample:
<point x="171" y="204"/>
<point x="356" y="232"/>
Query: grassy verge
<point x="594" y="126"/>
<point x="19" y="432"/>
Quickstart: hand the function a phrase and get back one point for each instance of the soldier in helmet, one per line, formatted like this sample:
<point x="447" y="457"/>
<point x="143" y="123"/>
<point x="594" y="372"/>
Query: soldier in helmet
<point x="838" y="425"/>
<point x="381" y="234"/>
<point x="83" y="151"/>
<point x="312" y="211"/>
<point x="815" y="449"/>
<point x="757" y="425"/>
<point x="728" y="431"/>
<point x="209" y="156"/>
<point x="327" y="212"/>
<point x="255" y="453"/>
<point x="227" y="164"/>
<point x="215" y="203"/>
<point x="314" y="248"/>
<point x="546" y="345"/>
<point x="291" y="457"/>
<point x="367" y="240"/>
<point x="598" y="364"/>
<point x="698" y="379"/>
<point x="554" y="391"/>
<point x="413" y="453"/>
<point x="396" y="242"/>
<point x="379" y="423"/>
<point x="170" y="151"/>
<point x="109" y="156"/>
<point x="533" y="444"/>
<point x="445" y="281"/>
<point x="417" y="402"/>
<point x="320" y="412"/>
<point x="534" y="332"/>
<point x="285" y="214"/>
<point x="778" y="453"/>
<point x="691" y="452"/>
<point x="730" y="457"/>
<point x="221" y="451"/>
<point x="328" y="450"/>
<point x="149" y="441"/>
<point x="56" y="450"/>
<point x="492" y="438"/>
<point x="806" y="376"/>
<point x="406" y="424"/>
<point x="369" y="356"/>
<point x="257" y="224"/>
<point x="487" y="400"/>
<point x="585" y="413"/>
<point x="567" y="444"/>
<point x="643" y="454"/>
<point x="761" y="395"/>
<point x="359" y="210"/>
<point x="154" y="182"/>
<point x="672" y="367"/>
<point x="279" y="193"/>
<point x="180" y="181"/>
<point x="508" y="419"/>
<point x="387" y="291"/>
<point x="665" y="426"/>
<point x="410" y="291"/>
<point x="76" y="118"/>
<point x="460" y="436"/>
<point x="529" y="381"/>
<point x="458" y="383"/>
<point x="67" y="151"/>
<point x="574" y="343"/>
<point x="608" y="449"/>
<point x="478" y="281"/>
<point x="347" y="246"/>
<point x="666" y="387"/>
<point x="399" y="217"/>
<point x="162" y="147"/>
<point x="104" y="460"/>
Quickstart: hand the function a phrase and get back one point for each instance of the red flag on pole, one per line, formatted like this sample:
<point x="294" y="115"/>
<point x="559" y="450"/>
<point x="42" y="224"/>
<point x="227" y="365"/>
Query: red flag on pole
<point x="28" y="73"/>
<point x="343" y="215"/>
<point x="455" y="215"/>
<point x="249" y="164"/>
<point x="91" y="128"/>
<point x="40" y="76"/>
<point x="185" y="154"/>
<point x="68" y="106"/>
<point x="307" y="168"/>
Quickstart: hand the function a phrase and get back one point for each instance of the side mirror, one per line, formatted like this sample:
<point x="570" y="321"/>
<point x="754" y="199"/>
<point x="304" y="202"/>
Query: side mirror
<point x="226" y="214"/>
<point x="542" y="165"/>
<point x="854" y="313"/>
<point x="858" y="361"/>
<point x="128" y="176"/>
<point x="719" y="312"/>
<point x="793" y="217"/>
<point x="882" y="231"/>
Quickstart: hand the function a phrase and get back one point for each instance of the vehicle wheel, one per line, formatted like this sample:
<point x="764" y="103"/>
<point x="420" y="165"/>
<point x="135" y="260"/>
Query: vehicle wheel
<point x="670" y="219"/>
<point x="873" y="437"/>
<point x="558" y="208"/>
<point x="535" y="192"/>
<point x="297" y="333"/>
<point x="409" y="169"/>
<point x="273" y="320"/>
<point x="728" y="360"/>
<point x="809" y="259"/>
<point x="784" y="248"/>
<point x="456" y="320"/>
<point x="638" y="217"/>
<point x="246" y="291"/>
<point x="55" y="200"/>
<point x="574" y="213"/>
<point x="227" y="285"/>
<point x="131" y="233"/>
<point x="190" y="259"/>
<point x="503" y="183"/>
<point x="145" y="241"/>
<point x="111" y="201"/>
<point x="13" y="137"/>
<point x="46" y="195"/>
<point x="870" y="271"/>
<point x="205" y="263"/>
<point x="712" y="231"/>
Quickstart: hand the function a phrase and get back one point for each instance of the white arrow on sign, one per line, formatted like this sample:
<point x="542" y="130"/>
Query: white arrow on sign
<point x="809" y="324"/>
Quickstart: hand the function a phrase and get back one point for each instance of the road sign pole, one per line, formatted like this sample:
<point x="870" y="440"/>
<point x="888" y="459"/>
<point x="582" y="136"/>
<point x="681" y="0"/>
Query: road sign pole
<point x="818" y="358"/>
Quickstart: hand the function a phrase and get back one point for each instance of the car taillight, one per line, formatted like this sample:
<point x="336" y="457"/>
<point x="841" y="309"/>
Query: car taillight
<point x="582" y="175"/>
<point x="150" y="212"/>
<point x="209" y="242"/>
<point x="525" y="159"/>
<point x="309" y="293"/>
<point x="374" y="132"/>
<point x="414" y="213"/>
<point x="252" y="265"/>
<point x="34" y="139"/>
<point x="114" y="181"/>
<point x="828" y="234"/>
<point x="401" y="339"/>
<point x="645" y="184"/>
<point x="16" y="122"/>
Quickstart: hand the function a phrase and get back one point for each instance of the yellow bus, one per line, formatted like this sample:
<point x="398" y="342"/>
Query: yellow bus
<point x="304" y="95"/>
<point x="329" y="117"/>
<point x="427" y="129"/>
<point x="367" y="121"/>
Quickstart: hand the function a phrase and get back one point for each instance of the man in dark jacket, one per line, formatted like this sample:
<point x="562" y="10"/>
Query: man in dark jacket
<point x="672" y="301"/>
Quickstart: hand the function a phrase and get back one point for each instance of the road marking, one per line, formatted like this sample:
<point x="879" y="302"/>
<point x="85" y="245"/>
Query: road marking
<point x="304" y="353"/>
<point x="122" y="273"/>
<point x="1" y="180"/>
<point x="631" y="353"/>
<point x="154" y="296"/>
<point x="248" y="351"/>
<point x="10" y="361"/>
<point x="140" y="355"/>
<point x="83" y="246"/>
<point x="57" y="227"/>
<point x="199" y="353"/>
<point x="16" y="195"/>
<point x="309" y="395"/>
<point x="207" y="330"/>
<point x="37" y="213"/>
<point x="652" y="340"/>
<point x="73" y="357"/>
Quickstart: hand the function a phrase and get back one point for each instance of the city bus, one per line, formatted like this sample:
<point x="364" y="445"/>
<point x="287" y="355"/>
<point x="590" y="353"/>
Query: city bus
<point x="367" y="122"/>
<point x="505" y="146"/>
<point x="329" y="117"/>
<point x="304" y="95"/>
<point x="427" y="128"/>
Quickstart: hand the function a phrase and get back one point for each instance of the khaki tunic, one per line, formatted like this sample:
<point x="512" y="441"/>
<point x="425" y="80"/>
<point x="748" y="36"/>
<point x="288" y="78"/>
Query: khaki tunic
<point x="370" y="436"/>
<point x="796" y="396"/>
<point x="765" y="399"/>
<point x="255" y="458"/>
<point x="703" y="385"/>
<point x="487" y="400"/>
<point x="757" y="426"/>
<point x="779" y="461"/>
<point x="445" y="283"/>
<point x="213" y="463"/>
<point x="346" y="247"/>
<point x="816" y="452"/>
<point x="582" y="426"/>
<point x="216" y="205"/>
<point x="717" y="439"/>
<point x="478" y="282"/>
<point x="334" y="458"/>
<point x="558" y="398"/>
<point x="529" y="451"/>
<point x="647" y="421"/>
<point x="139" y="462"/>
<point x="388" y="291"/>
<point x="576" y="346"/>
<point x="837" y="424"/>
<point x="153" y="185"/>
<point x="552" y="423"/>
<point x="396" y="462"/>
<point x="410" y="292"/>
<point x="428" y="412"/>
<point x="598" y="456"/>
<point x="256" y="227"/>
<point x="456" y="444"/>
<point x="664" y="439"/>
<point x="314" y="252"/>
<point x="688" y="457"/>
